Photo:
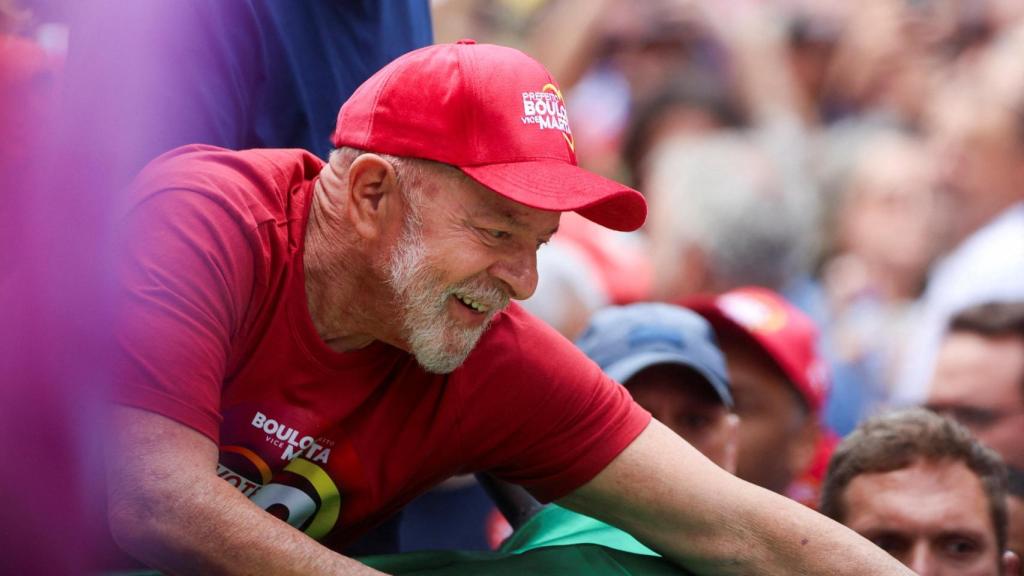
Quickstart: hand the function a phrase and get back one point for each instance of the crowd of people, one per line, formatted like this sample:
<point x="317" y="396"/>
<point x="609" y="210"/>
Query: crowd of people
<point x="825" y="300"/>
<point x="862" y="161"/>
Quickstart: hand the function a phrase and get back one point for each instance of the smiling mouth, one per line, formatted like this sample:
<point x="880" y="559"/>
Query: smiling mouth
<point x="471" y="304"/>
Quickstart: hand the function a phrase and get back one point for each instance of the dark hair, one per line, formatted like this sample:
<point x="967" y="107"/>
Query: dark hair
<point x="898" y="440"/>
<point x="1016" y="485"/>
<point x="991" y="319"/>
<point x="694" y="89"/>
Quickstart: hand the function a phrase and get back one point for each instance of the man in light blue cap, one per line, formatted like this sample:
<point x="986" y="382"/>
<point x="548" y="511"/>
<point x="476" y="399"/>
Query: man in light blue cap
<point x="669" y="360"/>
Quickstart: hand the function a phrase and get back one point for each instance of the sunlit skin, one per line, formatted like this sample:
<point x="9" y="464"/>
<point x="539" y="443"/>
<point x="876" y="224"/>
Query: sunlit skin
<point x="931" y="516"/>
<point x="468" y="233"/>
<point x="682" y="400"/>
<point x="978" y="381"/>
<point x="777" y="435"/>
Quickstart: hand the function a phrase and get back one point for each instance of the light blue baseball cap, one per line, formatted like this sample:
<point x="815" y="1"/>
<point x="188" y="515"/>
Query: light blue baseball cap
<point x="623" y="340"/>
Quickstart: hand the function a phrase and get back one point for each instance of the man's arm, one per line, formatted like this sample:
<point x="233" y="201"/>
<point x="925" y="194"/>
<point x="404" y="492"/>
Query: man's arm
<point x="168" y="508"/>
<point x="672" y="498"/>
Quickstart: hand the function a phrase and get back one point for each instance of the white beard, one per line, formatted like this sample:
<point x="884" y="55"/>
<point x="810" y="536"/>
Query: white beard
<point x="435" y="339"/>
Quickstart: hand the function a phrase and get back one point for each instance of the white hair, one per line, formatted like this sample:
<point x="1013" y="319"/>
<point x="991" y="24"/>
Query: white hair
<point x="754" y="223"/>
<point x="408" y="171"/>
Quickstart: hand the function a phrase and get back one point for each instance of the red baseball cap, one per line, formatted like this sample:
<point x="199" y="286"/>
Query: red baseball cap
<point x="785" y="333"/>
<point x="496" y="114"/>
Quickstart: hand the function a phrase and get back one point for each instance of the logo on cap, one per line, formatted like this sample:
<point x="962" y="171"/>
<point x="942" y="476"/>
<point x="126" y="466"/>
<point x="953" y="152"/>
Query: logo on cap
<point x="752" y="313"/>
<point x="546" y="109"/>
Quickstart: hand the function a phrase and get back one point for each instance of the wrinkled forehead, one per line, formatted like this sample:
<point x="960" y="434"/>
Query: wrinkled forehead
<point x="480" y="201"/>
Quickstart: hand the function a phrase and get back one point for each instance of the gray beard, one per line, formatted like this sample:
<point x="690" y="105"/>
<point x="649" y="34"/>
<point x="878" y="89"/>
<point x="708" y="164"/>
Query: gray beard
<point x="435" y="339"/>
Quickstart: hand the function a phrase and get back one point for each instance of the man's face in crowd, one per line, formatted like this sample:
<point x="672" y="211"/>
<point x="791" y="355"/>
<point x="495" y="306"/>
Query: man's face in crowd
<point x="464" y="252"/>
<point x="890" y="213"/>
<point x="978" y="154"/>
<point x="682" y="400"/>
<point x="978" y="381"/>
<point x="931" y="516"/>
<point x="777" y="435"/>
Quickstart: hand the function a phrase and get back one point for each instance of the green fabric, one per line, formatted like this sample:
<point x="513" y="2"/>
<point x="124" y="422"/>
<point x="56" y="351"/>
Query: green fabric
<point x="556" y="526"/>
<point x="576" y="559"/>
<point x="555" y="541"/>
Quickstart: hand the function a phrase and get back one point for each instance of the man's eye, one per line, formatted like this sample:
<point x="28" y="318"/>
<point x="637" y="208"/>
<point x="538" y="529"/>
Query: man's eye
<point x="972" y="416"/>
<point x="497" y="234"/>
<point x="894" y="545"/>
<point x="959" y="547"/>
<point x="695" y="422"/>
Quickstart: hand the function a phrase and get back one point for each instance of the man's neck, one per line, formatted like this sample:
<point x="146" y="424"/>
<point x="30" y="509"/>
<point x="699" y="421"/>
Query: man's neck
<point x="341" y="287"/>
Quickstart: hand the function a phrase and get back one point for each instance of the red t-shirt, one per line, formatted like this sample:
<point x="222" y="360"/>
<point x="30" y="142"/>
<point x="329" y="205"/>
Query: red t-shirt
<point x="214" y="333"/>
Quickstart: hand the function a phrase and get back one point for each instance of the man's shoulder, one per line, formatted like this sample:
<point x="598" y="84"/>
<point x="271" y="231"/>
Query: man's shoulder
<point x="516" y="329"/>
<point x="519" y="341"/>
<point x="258" y="183"/>
<point x="196" y="163"/>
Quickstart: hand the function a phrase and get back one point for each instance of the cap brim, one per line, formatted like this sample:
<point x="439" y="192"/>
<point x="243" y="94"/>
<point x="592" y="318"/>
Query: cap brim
<point x="706" y="306"/>
<point x="628" y="367"/>
<point x="555" y="185"/>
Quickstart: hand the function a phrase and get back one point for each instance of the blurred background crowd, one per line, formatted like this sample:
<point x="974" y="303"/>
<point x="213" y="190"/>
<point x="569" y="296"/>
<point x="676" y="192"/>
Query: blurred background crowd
<point x="861" y="161"/>
<point x="848" y="155"/>
<point x="864" y="160"/>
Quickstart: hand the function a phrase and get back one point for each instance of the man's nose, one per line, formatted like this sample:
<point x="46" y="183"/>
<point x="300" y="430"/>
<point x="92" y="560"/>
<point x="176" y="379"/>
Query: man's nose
<point x="518" y="270"/>
<point x="922" y="560"/>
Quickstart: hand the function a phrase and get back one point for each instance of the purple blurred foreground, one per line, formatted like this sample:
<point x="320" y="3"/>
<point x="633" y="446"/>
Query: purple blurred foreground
<point x="53" y="286"/>
<point x="71" y="145"/>
<point x="90" y="91"/>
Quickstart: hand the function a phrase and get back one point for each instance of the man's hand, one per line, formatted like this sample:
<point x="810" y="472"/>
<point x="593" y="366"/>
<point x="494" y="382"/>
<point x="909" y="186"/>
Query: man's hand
<point x="672" y="498"/>
<point x="168" y="508"/>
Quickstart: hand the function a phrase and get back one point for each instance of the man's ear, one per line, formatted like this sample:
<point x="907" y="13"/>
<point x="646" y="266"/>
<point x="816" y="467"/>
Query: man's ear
<point x="732" y="443"/>
<point x="1011" y="564"/>
<point x="373" y="195"/>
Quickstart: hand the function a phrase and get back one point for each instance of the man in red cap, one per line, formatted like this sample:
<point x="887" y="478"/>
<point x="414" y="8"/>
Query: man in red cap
<point x="779" y="384"/>
<point x="303" y="348"/>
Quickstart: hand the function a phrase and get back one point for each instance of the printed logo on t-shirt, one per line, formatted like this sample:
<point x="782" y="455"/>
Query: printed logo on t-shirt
<point x="303" y="495"/>
<point x="243" y="469"/>
<point x="290" y="440"/>
<point x="546" y="109"/>
<point x="300" y="492"/>
<point x="294" y="468"/>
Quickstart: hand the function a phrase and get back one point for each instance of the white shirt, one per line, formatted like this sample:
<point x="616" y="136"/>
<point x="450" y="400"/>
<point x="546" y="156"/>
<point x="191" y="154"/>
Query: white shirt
<point x="987" y="266"/>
